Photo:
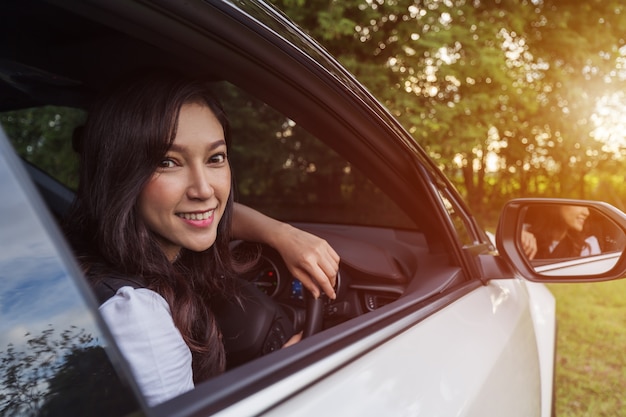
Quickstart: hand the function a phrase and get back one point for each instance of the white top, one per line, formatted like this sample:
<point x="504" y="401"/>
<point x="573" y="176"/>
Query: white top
<point x="142" y="324"/>
<point x="592" y="248"/>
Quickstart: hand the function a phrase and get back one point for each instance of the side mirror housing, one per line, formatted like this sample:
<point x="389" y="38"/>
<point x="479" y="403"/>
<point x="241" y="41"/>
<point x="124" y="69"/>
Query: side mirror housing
<point x="563" y="240"/>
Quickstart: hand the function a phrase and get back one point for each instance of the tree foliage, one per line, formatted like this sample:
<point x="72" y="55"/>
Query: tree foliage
<point x="501" y="93"/>
<point x="511" y="98"/>
<point x="41" y="136"/>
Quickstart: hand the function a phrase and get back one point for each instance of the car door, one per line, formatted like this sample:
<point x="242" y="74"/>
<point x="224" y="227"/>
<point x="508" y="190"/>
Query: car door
<point x="452" y="342"/>
<point x="448" y="344"/>
<point x="475" y="357"/>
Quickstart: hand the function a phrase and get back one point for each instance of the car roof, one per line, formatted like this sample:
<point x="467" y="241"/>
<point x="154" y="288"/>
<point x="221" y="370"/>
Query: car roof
<point x="57" y="56"/>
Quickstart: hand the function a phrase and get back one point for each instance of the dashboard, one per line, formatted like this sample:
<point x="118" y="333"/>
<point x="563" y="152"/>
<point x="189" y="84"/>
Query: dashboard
<point x="377" y="265"/>
<point x="269" y="273"/>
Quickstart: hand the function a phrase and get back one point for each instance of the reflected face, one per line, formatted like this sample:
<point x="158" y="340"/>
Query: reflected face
<point x="574" y="216"/>
<point x="186" y="197"/>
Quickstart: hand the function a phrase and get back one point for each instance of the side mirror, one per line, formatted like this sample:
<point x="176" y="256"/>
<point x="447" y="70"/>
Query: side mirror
<point x="562" y="240"/>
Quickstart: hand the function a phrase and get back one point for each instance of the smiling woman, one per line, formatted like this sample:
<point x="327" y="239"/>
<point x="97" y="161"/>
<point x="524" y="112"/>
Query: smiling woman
<point x="187" y="195"/>
<point x="151" y="225"/>
<point x="558" y="232"/>
<point x="141" y="179"/>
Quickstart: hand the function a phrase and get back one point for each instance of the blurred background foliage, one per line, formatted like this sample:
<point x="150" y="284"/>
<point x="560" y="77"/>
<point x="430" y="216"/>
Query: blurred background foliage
<point x="513" y="98"/>
<point x="40" y="135"/>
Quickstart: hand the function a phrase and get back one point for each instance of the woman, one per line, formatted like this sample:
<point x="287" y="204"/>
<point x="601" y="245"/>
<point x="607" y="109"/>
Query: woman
<point x="155" y="206"/>
<point x="558" y="232"/>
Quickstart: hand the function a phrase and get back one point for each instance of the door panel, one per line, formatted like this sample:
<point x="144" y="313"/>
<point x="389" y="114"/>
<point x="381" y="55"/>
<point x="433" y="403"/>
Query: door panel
<point x="477" y="357"/>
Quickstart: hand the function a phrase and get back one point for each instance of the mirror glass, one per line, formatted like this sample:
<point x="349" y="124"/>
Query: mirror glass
<point x="560" y="240"/>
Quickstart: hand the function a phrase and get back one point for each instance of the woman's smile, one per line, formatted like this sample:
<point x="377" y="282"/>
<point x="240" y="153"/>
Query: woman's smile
<point x="198" y="219"/>
<point x="574" y="216"/>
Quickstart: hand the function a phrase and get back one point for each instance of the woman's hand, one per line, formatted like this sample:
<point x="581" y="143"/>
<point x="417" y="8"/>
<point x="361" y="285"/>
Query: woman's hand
<point x="293" y="340"/>
<point x="309" y="258"/>
<point x="529" y="244"/>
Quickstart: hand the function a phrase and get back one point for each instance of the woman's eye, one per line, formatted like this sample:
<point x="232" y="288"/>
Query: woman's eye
<point x="217" y="158"/>
<point x="167" y="163"/>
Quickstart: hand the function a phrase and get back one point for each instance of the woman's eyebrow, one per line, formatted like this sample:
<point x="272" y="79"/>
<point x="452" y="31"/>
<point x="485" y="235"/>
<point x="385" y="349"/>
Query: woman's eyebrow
<point x="177" y="148"/>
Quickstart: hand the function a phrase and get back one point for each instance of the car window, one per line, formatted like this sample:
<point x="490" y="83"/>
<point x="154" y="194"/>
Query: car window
<point x="459" y="221"/>
<point x="279" y="168"/>
<point x="286" y="172"/>
<point x="42" y="136"/>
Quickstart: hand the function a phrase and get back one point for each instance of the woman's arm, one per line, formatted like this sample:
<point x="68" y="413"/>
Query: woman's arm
<point x="529" y="244"/>
<point x="309" y="258"/>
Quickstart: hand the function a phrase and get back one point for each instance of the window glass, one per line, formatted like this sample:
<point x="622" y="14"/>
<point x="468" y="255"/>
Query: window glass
<point x="53" y="353"/>
<point x="285" y="172"/>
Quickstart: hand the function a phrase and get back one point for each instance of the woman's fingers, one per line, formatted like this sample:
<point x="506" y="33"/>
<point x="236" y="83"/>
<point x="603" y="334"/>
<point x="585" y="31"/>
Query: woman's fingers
<point x="529" y="244"/>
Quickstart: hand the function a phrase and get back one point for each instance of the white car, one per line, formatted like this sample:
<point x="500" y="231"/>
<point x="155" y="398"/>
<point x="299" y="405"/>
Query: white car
<point x="429" y="320"/>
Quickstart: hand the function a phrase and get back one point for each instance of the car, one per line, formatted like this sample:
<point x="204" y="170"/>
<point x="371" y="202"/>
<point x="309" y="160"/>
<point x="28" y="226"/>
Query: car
<point x="431" y="318"/>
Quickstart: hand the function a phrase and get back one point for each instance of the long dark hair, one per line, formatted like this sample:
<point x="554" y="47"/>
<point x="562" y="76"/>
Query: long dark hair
<point x="548" y="225"/>
<point x="126" y="135"/>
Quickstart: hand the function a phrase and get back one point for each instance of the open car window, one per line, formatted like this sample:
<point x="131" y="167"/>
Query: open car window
<point x="287" y="173"/>
<point x="279" y="168"/>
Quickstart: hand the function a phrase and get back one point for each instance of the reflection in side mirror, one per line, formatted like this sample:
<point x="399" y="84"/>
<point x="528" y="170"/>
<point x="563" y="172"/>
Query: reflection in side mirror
<point x="554" y="238"/>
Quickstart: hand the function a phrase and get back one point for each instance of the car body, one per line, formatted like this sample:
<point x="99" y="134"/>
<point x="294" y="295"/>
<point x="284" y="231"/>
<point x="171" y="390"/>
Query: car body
<point x="429" y="320"/>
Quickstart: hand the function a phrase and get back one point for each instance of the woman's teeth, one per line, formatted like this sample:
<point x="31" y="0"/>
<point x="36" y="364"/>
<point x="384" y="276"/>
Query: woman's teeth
<point x="196" y="216"/>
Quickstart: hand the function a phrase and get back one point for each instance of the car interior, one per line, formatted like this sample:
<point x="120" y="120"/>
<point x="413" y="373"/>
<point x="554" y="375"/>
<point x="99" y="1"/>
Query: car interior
<point x="287" y="166"/>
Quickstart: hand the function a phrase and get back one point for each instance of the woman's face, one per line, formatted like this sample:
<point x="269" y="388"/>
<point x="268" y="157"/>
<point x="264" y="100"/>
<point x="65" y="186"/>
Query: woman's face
<point x="185" y="199"/>
<point x="574" y="216"/>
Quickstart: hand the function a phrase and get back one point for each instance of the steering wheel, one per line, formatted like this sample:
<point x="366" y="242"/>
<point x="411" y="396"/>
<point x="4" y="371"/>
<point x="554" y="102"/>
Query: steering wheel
<point x="314" y="314"/>
<point x="255" y="324"/>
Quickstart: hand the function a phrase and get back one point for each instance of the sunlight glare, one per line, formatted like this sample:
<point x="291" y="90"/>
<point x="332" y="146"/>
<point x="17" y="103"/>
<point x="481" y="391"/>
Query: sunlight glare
<point x="610" y="121"/>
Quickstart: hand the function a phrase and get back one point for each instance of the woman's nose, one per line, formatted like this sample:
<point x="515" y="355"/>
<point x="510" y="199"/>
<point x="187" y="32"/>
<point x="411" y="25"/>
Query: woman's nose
<point x="199" y="184"/>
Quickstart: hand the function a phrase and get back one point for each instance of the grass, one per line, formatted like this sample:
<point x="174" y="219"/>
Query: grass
<point x="591" y="349"/>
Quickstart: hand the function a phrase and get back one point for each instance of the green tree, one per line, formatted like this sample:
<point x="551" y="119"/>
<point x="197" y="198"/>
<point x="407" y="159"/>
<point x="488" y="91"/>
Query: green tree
<point x="517" y="81"/>
<point x="42" y="136"/>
